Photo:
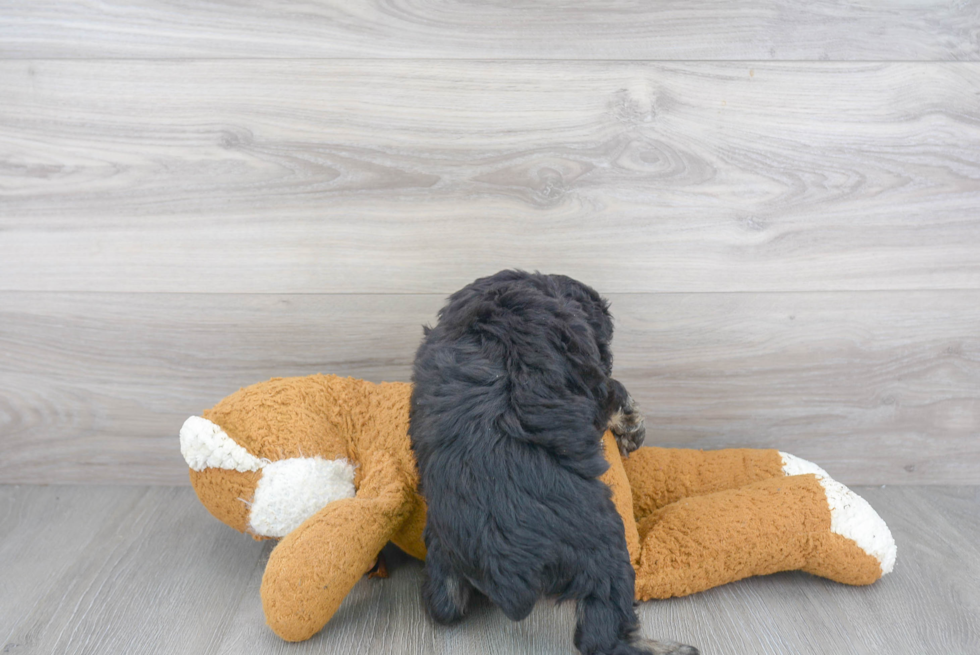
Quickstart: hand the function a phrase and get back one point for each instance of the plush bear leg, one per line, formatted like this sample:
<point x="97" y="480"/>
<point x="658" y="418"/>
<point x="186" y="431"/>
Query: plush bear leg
<point x="661" y="476"/>
<point x="806" y="522"/>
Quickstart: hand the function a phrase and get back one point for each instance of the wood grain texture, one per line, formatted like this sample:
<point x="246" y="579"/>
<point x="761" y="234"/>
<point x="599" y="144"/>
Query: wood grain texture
<point x="35" y="526"/>
<point x="107" y="380"/>
<point x="153" y="573"/>
<point x="877" y="387"/>
<point x="416" y="177"/>
<point x="557" y="29"/>
<point x="146" y="575"/>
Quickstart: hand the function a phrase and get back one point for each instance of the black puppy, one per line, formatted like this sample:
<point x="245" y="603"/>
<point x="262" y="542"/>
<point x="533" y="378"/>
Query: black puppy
<point x="512" y="394"/>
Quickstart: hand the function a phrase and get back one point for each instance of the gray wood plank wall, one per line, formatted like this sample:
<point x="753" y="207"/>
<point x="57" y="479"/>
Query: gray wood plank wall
<point x="913" y="30"/>
<point x="781" y="199"/>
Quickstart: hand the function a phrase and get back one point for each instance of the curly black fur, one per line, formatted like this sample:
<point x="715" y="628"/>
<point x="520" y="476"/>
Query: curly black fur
<point x="512" y="394"/>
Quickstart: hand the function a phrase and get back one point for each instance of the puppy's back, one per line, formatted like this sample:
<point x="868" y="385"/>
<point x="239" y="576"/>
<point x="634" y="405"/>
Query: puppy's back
<point x="512" y="357"/>
<point x="506" y="426"/>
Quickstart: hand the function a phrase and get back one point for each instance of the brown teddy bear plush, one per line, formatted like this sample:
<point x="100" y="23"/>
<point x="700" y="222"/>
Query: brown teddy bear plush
<point x="324" y="463"/>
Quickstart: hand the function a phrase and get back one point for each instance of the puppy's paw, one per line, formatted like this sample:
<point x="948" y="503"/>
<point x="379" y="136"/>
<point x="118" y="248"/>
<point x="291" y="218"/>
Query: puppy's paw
<point x="626" y="424"/>
<point x="660" y="647"/>
<point x="446" y="598"/>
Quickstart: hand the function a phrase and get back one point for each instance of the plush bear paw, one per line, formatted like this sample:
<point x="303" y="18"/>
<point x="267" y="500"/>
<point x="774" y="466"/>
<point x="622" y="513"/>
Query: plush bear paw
<point x="851" y="517"/>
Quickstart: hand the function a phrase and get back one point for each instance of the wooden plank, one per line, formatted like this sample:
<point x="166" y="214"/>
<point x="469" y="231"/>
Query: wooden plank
<point x="106" y="380"/>
<point x="713" y="29"/>
<point x="153" y="573"/>
<point x="158" y="575"/>
<point x="392" y="176"/>
<point x="877" y="387"/>
<point x="37" y="525"/>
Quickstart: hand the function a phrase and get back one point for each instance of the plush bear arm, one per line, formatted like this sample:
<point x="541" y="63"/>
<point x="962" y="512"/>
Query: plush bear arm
<point x="313" y="568"/>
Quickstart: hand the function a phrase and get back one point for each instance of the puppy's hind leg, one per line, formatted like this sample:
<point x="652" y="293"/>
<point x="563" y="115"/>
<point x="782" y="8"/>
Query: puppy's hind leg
<point x="445" y="593"/>
<point x="608" y="625"/>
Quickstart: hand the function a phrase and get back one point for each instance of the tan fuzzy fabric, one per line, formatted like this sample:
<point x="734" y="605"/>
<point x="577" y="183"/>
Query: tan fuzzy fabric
<point x="692" y="519"/>
<point x="661" y="476"/>
<point x="226" y="494"/>
<point x="615" y="479"/>
<point x="779" y="524"/>
<point x="838" y="558"/>
<point x="313" y="569"/>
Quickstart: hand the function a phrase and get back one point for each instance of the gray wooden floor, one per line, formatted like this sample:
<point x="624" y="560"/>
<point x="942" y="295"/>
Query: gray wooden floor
<point x="126" y="569"/>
